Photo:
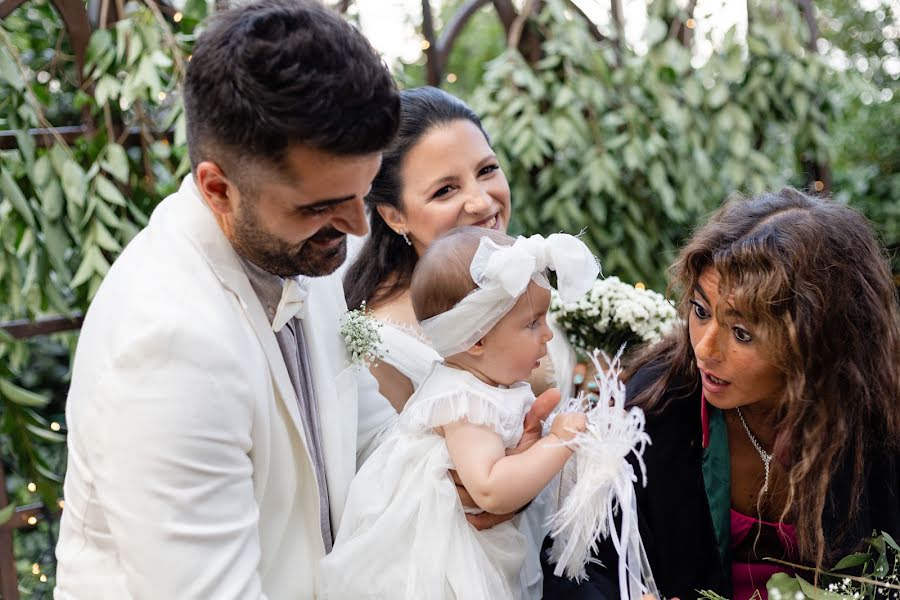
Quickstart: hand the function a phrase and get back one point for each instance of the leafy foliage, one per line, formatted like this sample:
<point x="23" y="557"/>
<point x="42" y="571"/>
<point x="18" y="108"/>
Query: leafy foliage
<point x="66" y="211"/>
<point x="640" y="151"/>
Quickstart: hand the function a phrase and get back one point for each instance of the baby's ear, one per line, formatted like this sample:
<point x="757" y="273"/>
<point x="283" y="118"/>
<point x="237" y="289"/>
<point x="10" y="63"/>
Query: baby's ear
<point x="477" y="349"/>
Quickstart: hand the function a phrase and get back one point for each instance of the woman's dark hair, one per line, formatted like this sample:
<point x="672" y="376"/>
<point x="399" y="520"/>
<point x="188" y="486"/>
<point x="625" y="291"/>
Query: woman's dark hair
<point x="385" y="264"/>
<point x="276" y="73"/>
<point x="813" y="279"/>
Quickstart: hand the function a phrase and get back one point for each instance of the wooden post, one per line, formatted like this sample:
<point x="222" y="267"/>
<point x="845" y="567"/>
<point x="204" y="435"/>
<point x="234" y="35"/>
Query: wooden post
<point x="9" y="579"/>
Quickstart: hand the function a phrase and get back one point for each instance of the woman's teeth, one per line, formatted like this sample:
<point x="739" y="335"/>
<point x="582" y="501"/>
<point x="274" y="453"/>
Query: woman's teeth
<point x="492" y="223"/>
<point x="716" y="379"/>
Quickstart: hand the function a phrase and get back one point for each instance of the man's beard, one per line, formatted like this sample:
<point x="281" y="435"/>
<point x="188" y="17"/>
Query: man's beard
<point x="278" y="257"/>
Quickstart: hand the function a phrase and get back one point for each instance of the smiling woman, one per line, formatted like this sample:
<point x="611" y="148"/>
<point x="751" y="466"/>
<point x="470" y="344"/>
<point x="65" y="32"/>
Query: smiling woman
<point x="775" y="409"/>
<point x="439" y="173"/>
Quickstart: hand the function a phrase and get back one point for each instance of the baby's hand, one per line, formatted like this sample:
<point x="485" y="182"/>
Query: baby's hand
<point x="566" y="425"/>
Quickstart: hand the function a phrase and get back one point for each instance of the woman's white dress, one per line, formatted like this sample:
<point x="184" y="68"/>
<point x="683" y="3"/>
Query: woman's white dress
<point x="404" y="533"/>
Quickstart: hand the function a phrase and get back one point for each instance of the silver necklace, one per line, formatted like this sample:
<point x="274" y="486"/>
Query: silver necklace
<point x="765" y="456"/>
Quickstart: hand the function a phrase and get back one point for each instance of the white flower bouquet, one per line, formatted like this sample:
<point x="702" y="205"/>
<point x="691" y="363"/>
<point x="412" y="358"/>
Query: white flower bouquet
<point x="614" y="313"/>
<point x="362" y="336"/>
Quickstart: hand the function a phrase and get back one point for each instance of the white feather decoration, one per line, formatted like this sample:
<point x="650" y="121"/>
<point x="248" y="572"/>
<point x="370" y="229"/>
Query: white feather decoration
<point x="603" y="486"/>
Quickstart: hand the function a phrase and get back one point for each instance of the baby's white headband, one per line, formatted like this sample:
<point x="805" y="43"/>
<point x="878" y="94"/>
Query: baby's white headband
<point x="502" y="274"/>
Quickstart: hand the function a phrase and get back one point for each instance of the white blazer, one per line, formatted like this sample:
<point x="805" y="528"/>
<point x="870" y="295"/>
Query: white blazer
<point x="188" y="470"/>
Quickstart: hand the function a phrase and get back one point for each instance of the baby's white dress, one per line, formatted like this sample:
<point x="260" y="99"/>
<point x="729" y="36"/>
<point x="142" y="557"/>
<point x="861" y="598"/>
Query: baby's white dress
<point x="403" y="533"/>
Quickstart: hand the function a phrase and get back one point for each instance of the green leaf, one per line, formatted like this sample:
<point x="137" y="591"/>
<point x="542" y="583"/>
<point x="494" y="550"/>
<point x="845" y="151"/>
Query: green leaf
<point x="16" y="197"/>
<point x="108" y="88"/>
<point x="853" y="560"/>
<point x="50" y="436"/>
<point x="74" y="182"/>
<point x="21" y="396"/>
<point x="116" y="162"/>
<point x="87" y="267"/>
<point x="52" y="200"/>
<point x="815" y="593"/>
<point x="104" y="239"/>
<point x="7" y="513"/>
<point x="41" y="171"/>
<point x="108" y="191"/>
<point x="9" y="71"/>
<point x="887" y="538"/>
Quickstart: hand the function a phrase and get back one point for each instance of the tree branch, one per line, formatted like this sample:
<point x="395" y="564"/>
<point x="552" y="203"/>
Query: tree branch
<point x="454" y="28"/>
<point x="433" y="69"/>
<point x="809" y="14"/>
<point x="507" y="13"/>
<point x="678" y="29"/>
<point x="592" y="27"/>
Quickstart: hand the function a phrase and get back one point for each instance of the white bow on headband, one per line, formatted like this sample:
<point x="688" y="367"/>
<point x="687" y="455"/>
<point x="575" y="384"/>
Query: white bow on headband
<point x="502" y="274"/>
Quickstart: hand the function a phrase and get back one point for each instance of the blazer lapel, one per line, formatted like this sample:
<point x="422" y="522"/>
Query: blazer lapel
<point x="207" y="237"/>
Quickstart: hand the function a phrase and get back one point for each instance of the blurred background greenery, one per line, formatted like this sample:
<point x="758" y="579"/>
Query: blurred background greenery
<point x="631" y="132"/>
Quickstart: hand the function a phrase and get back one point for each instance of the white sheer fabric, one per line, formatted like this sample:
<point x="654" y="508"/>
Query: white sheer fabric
<point x="406" y="351"/>
<point x="502" y="274"/>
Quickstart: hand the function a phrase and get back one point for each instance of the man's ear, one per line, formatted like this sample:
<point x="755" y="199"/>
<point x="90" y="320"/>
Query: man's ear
<point x="393" y="217"/>
<point x="219" y="192"/>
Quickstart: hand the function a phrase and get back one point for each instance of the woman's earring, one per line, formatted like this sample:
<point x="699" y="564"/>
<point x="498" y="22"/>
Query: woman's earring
<point x="402" y="233"/>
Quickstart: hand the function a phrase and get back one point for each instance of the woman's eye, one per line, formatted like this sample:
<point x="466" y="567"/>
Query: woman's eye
<point x="488" y="169"/>
<point x="742" y="335"/>
<point x="443" y="191"/>
<point x="700" y="310"/>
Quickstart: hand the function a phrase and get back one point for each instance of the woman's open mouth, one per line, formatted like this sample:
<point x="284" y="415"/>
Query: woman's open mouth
<point x="711" y="383"/>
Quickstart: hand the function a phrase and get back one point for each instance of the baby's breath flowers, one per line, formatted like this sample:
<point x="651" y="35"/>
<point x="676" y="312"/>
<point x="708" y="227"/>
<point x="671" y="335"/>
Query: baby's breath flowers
<point x="614" y="313"/>
<point x="362" y="336"/>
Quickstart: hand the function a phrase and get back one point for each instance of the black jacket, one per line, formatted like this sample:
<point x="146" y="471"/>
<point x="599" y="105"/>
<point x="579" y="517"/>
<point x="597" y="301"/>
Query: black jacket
<point x="676" y="521"/>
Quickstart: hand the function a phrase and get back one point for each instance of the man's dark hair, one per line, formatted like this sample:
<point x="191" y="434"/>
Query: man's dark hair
<point x="277" y="73"/>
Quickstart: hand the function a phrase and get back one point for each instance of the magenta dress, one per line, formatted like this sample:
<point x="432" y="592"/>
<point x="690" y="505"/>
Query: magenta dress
<point x="747" y="577"/>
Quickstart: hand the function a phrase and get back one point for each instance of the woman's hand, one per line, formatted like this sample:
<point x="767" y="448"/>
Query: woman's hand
<point x="533" y="425"/>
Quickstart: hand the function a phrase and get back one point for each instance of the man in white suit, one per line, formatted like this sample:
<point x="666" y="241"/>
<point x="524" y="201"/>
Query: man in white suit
<point x="214" y="422"/>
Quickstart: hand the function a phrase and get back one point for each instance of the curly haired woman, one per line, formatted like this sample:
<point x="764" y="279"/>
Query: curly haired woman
<point x="775" y="410"/>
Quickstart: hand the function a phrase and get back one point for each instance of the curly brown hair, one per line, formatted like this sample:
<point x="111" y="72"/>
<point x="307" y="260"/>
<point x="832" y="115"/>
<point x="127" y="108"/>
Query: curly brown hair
<point x="811" y="276"/>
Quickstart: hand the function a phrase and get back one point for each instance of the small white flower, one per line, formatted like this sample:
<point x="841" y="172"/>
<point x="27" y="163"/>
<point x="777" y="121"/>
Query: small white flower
<point x="362" y="336"/>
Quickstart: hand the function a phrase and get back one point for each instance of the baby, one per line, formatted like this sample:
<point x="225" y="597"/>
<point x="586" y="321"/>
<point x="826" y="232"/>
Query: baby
<point x="482" y="299"/>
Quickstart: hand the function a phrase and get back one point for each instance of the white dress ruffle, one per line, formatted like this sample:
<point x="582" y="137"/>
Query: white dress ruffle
<point x="403" y="534"/>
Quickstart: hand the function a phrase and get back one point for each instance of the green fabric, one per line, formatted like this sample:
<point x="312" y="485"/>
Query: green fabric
<point x="717" y="480"/>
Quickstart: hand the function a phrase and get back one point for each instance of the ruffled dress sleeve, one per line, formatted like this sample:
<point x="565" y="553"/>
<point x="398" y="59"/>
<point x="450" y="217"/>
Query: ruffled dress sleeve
<point x="451" y="395"/>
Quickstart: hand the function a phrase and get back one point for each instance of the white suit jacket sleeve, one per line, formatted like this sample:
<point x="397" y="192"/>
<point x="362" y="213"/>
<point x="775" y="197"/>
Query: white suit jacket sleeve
<point x="376" y="416"/>
<point x="172" y="466"/>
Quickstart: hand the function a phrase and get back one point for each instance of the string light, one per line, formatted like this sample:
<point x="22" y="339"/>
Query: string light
<point x="62" y="504"/>
<point x="32" y="487"/>
<point x="161" y="96"/>
<point x="54" y="426"/>
<point x="32" y="520"/>
<point x="819" y="185"/>
<point x="177" y="17"/>
<point x="690" y="23"/>
<point x="426" y="44"/>
<point x="36" y="568"/>
<point x="640" y="286"/>
<point x="43" y="578"/>
<point x="451" y="78"/>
